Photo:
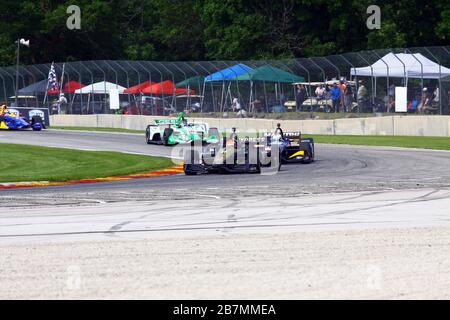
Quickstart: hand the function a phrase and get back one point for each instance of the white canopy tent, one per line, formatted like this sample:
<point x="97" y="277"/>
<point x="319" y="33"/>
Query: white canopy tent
<point x="406" y="66"/>
<point x="403" y="65"/>
<point x="102" y="87"/>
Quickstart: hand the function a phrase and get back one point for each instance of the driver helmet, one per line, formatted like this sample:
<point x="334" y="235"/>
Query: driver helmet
<point x="278" y="129"/>
<point x="3" y="109"/>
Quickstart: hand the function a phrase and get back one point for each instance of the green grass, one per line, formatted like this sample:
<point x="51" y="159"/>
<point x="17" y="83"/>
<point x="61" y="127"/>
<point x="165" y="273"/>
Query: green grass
<point x="440" y="143"/>
<point x="31" y="163"/>
<point x="97" y="129"/>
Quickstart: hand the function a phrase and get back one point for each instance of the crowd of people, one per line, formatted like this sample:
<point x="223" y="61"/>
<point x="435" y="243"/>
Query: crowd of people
<point x="425" y="102"/>
<point x="343" y="96"/>
<point x="341" y="93"/>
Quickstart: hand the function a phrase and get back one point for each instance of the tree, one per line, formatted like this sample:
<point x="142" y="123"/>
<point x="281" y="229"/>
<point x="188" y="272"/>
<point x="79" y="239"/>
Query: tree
<point x="214" y="29"/>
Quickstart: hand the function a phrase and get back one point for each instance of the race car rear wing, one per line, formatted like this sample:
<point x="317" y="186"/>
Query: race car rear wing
<point x="293" y="136"/>
<point x="296" y="135"/>
<point x="166" y="121"/>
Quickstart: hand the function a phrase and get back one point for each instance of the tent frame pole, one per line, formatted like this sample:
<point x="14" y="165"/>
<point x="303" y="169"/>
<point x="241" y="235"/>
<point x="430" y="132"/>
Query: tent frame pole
<point x="387" y="77"/>
<point x="440" y="77"/>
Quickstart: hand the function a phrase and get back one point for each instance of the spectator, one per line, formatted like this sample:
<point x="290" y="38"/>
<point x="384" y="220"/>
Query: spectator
<point x="235" y="105"/>
<point x="361" y="95"/>
<point x="342" y="85"/>
<point x="257" y="105"/>
<point x="336" y="97"/>
<point x="391" y="104"/>
<point x="424" y="101"/>
<point x="436" y="96"/>
<point x="55" y="107"/>
<point x="301" y="96"/>
<point x="282" y="99"/>
<point x="391" y="91"/>
<point x="320" y="91"/>
<point x="348" y="97"/>
<point x="196" y="107"/>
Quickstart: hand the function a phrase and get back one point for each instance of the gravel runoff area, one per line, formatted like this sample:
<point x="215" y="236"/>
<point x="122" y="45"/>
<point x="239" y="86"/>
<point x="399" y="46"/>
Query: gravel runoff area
<point x="411" y="263"/>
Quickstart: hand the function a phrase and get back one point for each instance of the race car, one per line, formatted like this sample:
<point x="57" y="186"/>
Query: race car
<point x="234" y="155"/>
<point x="174" y="131"/>
<point x="293" y="148"/>
<point x="11" y="120"/>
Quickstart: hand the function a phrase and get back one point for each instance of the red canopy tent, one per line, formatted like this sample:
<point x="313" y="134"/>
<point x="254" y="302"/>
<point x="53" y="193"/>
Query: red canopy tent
<point x="69" y="87"/>
<point x="139" y="87"/>
<point x="165" y="87"/>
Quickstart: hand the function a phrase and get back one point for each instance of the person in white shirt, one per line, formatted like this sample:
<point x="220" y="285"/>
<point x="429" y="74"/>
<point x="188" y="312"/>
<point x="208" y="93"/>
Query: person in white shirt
<point x="320" y="91"/>
<point x="235" y="105"/>
<point x="436" y="95"/>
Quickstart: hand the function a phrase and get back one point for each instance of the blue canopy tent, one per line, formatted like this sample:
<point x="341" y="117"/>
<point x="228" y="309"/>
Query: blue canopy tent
<point x="228" y="74"/>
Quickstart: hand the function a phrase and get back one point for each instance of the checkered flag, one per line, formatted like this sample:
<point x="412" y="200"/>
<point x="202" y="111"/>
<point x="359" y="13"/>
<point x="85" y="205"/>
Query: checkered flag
<point x="52" y="79"/>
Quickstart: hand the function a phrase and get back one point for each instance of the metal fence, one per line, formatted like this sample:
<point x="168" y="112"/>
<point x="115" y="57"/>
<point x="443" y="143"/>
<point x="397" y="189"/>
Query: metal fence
<point x="277" y="90"/>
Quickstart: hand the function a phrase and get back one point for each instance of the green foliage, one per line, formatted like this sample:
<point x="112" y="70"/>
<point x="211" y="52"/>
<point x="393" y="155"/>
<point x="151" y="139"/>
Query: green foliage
<point x="443" y="26"/>
<point x="438" y="143"/>
<point x="214" y="29"/>
<point x="386" y="37"/>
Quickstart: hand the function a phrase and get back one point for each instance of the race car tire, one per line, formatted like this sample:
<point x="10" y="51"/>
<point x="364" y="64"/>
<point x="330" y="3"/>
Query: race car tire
<point x="156" y="137"/>
<point x="188" y="170"/>
<point x="188" y="167"/>
<point x="308" y="150"/>
<point x="147" y="135"/>
<point x="37" y="119"/>
<point x="167" y="133"/>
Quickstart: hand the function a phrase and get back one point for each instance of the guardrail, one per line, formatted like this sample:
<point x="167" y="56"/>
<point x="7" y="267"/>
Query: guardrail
<point x="438" y="126"/>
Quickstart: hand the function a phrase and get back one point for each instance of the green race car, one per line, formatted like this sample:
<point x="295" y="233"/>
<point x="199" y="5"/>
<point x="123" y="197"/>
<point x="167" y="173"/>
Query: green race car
<point x="173" y="131"/>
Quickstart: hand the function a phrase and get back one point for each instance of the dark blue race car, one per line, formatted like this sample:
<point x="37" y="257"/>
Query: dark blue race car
<point x="293" y="148"/>
<point x="12" y="122"/>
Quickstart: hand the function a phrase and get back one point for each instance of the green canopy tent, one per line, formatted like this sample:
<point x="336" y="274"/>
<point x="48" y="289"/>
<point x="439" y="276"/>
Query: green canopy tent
<point x="268" y="73"/>
<point x="190" y="82"/>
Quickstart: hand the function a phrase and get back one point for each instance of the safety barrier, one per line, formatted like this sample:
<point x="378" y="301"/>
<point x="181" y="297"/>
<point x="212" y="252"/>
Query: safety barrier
<point x="438" y="126"/>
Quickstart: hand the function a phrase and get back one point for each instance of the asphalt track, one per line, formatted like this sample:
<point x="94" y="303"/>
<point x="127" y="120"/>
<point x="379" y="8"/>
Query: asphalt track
<point x="348" y="188"/>
<point x="349" y="178"/>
